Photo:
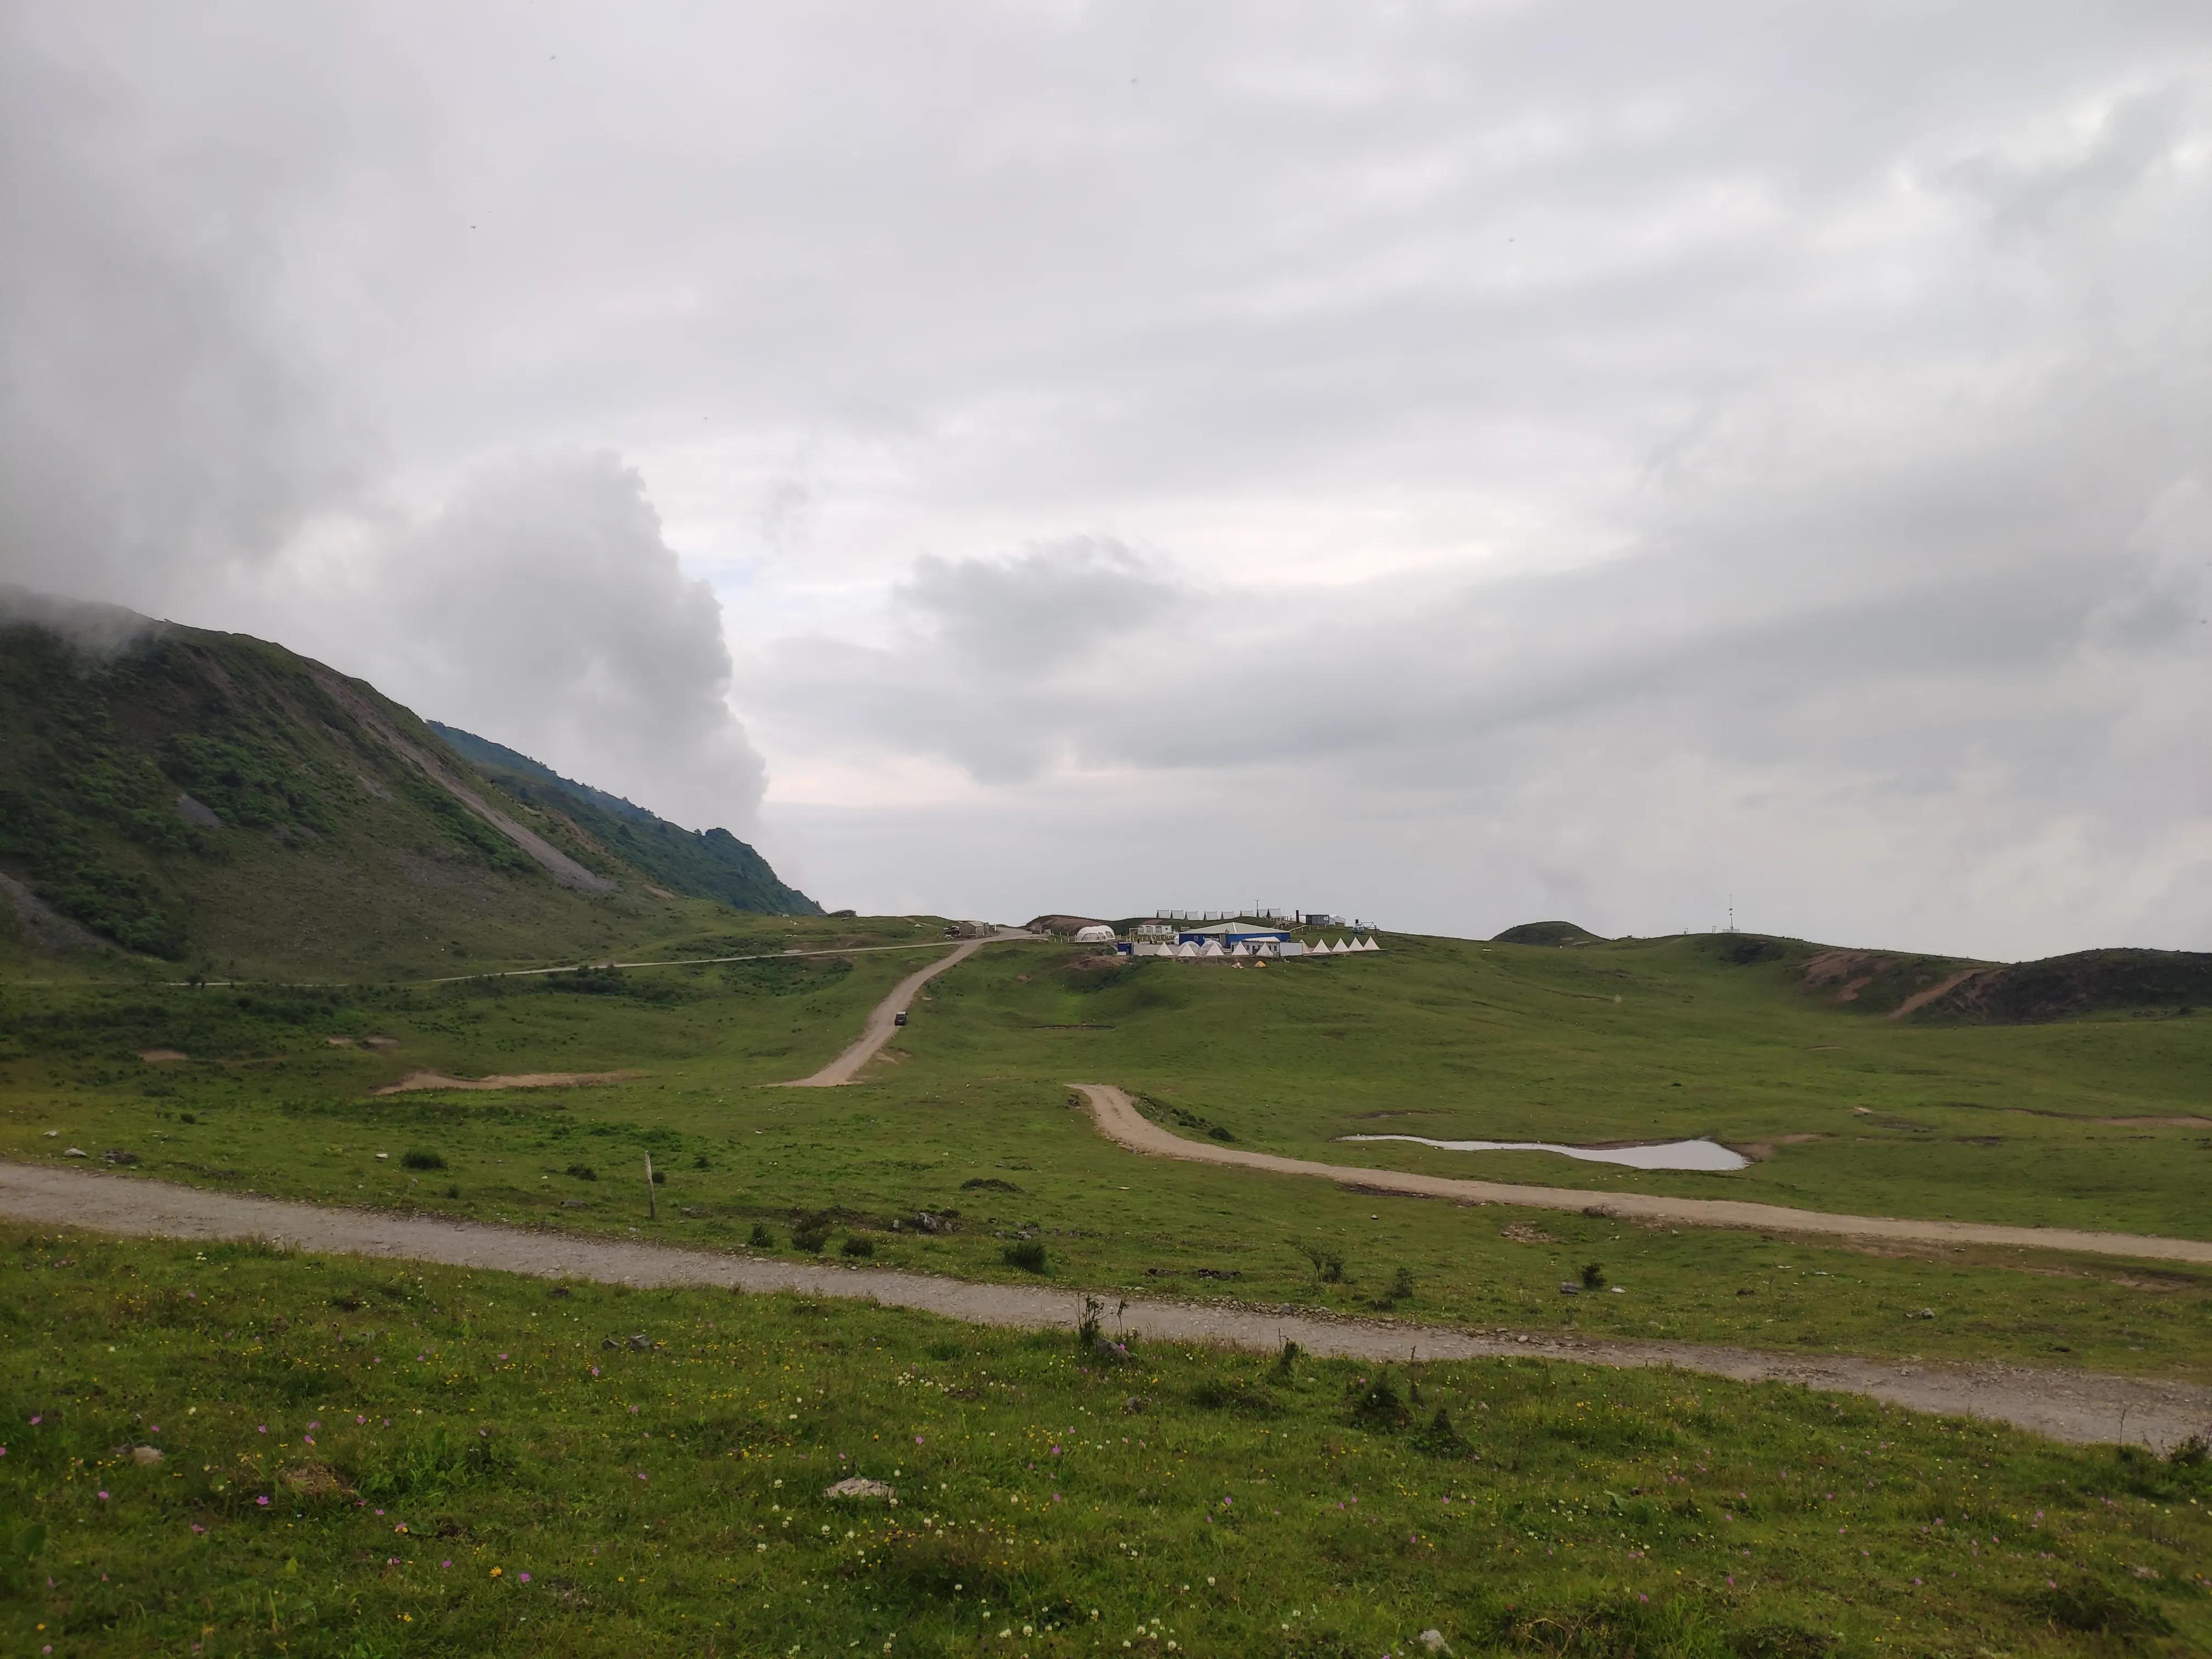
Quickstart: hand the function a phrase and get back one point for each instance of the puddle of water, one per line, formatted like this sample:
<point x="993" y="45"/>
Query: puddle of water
<point x="1708" y="1155"/>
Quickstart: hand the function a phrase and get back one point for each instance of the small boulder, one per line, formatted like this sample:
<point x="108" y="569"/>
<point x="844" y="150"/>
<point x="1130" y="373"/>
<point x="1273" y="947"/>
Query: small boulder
<point x="111" y="1156"/>
<point x="1568" y="1287"/>
<point x="146" y="1456"/>
<point x="75" y="1152"/>
<point x="858" y="1486"/>
<point x="1433" y="1640"/>
<point x="642" y="1343"/>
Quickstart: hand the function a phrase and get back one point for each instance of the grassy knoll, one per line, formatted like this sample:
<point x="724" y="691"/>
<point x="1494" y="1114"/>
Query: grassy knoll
<point x="967" y="1120"/>
<point x="1631" y="1040"/>
<point x="363" y="1461"/>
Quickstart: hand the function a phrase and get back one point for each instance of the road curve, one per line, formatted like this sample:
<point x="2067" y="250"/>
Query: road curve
<point x="881" y="1023"/>
<point x="1119" y="1119"/>
<point x="2084" y="1407"/>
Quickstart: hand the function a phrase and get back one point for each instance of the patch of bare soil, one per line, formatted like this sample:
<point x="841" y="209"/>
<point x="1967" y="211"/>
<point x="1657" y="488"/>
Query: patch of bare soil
<point x="419" y="1080"/>
<point x="1759" y="1151"/>
<point x="2081" y="1407"/>
<point x="1920" y="1000"/>
<point x="161" y="1056"/>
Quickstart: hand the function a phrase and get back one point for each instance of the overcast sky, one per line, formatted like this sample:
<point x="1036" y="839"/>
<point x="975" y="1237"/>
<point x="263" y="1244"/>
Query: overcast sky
<point x="1453" y="464"/>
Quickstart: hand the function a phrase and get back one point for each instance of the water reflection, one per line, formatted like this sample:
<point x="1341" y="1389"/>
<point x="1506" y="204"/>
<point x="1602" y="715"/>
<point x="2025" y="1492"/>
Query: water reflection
<point x="1708" y="1155"/>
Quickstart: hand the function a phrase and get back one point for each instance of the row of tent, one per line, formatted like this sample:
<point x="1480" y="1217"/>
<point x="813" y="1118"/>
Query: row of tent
<point x="1188" y="951"/>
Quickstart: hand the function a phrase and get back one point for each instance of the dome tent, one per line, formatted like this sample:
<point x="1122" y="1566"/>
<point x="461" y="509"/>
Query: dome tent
<point x="1096" y="933"/>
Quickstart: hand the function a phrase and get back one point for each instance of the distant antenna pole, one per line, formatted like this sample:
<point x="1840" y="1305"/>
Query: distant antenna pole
<point x="1731" y="913"/>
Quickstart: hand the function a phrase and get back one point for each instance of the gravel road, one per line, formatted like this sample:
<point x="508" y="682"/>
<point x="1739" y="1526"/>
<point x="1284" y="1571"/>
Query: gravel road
<point x="1119" y="1119"/>
<point x="2070" y="1405"/>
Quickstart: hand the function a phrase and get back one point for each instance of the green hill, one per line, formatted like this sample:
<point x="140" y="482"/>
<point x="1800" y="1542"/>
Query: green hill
<point x="1548" y="932"/>
<point x="710" y="864"/>
<point x="222" y="804"/>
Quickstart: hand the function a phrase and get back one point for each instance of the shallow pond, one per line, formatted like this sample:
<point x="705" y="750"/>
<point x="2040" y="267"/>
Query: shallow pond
<point x="1708" y="1155"/>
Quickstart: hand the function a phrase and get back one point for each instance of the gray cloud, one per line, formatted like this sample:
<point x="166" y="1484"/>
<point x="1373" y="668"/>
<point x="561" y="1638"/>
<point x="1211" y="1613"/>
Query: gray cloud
<point x="1592" y="453"/>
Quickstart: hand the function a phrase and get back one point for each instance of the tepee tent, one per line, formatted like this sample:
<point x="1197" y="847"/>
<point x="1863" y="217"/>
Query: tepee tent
<point x="1186" y="950"/>
<point x="1210" y="948"/>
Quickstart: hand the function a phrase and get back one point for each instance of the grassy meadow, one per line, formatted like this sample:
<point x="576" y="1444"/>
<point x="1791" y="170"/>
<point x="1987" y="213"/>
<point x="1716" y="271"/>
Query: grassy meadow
<point x="357" y="1460"/>
<point x="966" y="1119"/>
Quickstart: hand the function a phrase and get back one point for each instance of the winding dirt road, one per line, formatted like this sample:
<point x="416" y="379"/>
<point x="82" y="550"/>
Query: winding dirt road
<point x="1119" y="1121"/>
<point x="882" y="1020"/>
<point x="2080" y="1407"/>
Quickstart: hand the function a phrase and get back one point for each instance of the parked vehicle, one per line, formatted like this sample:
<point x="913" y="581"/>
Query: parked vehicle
<point x="899" y="1019"/>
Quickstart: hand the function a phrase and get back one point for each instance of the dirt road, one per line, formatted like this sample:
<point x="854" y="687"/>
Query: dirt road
<point x="2072" y="1406"/>
<point x="1119" y="1119"/>
<point x="882" y="1022"/>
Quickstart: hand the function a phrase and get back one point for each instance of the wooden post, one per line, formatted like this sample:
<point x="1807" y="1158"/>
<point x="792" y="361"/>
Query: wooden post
<point x="651" y="1209"/>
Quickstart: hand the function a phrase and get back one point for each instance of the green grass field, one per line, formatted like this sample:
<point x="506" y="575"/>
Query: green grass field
<point x="358" y="1460"/>
<point x="968" y="1113"/>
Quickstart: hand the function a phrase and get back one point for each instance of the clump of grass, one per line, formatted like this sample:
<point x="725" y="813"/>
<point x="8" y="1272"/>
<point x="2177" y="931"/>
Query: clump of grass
<point x="1327" y="1264"/>
<point x="760" y="1239"/>
<point x="856" y="1245"/>
<point x="453" y="1189"/>
<point x="1376" y="1403"/>
<point x="1286" y="1361"/>
<point x="1028" y="1255"/>
<point x="583" y="1172"/>
<point x="810" y="1236"/>
<point x="421" y="1157"/>
<point x="1593" y="1275"/>
<point x="2191" y="1453"/>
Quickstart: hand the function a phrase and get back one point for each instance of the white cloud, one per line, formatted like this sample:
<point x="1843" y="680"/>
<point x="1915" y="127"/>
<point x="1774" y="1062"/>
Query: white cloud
<point x="1458" y="461"/>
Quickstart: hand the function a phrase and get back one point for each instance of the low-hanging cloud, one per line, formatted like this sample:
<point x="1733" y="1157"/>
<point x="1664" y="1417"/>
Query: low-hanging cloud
<point x="543" y="607"/>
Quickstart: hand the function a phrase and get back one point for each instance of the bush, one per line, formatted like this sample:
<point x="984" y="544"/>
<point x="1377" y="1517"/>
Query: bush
<point x="1376" y="1403"/>
<point x="660" y="1177"/>
<point x="1327" y="1264"/>
<point x="583" y="1172"/>
<point x="760" y="1239"/>
<point x="855" y="1246"/>
<point x="2191" y="1453"/>
<point x="810" y="1238"/>
<point x="420" y="1159"/>
<point x="1593" y="1276"/>
<point x="1028" y="1256"/>
<point x="453" y="1189"/>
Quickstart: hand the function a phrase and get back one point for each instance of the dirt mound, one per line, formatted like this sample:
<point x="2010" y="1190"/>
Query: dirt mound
<point x="417" y="1080"/>
<point x="2086" y="982"/>
<point x="1548" y="932"/>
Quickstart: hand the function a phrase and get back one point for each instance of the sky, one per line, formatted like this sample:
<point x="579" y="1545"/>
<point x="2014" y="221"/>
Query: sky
<point x="1449" y="465"/>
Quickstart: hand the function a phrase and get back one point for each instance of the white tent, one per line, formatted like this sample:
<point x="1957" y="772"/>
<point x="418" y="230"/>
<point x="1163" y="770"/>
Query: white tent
<point x="1210" y="948"/>
<point x="1367" y="943"/>
<point x="1240" y="949"/>
<point x="1339" y="949"/>
<point x="1186" y="950"/>
<point x="1096" y="933"/>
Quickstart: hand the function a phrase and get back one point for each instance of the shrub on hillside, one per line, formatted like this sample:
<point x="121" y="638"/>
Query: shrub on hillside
<point x="423" y="1159"/>
<point x="1028" y="1255"/>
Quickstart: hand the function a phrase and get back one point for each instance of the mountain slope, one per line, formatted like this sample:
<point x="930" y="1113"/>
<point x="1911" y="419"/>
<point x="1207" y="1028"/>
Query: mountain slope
<point x="710" y="864"/>
<point x="220" y="803"/>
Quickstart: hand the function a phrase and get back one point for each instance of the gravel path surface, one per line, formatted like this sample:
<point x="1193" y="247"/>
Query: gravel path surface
<point x="1119" y="1119"/>
<point x="2072" y="1406"/>
<point x="882" y="1022"/>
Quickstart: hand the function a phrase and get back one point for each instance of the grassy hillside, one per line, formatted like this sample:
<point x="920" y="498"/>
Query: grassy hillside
<point x="347" y="1459"/>
<point x="710" y="864"/>
<point x="220" y="805"/>
<point x="968" y="1113"/>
